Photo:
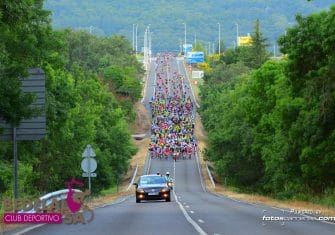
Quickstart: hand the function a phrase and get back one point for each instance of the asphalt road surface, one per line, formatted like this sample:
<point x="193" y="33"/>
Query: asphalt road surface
<point x="192" y="209"/>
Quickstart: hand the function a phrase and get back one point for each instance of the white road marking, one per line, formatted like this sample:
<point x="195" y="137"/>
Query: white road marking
<point x="187" y="206"/>
<point x="188" y="218"/>
<point x="174" y="171"/>
<point x="149" y="164"/>
<point x="29" y="229"/>
<point x="192" y="212"/>
<point x="201" y="221"/>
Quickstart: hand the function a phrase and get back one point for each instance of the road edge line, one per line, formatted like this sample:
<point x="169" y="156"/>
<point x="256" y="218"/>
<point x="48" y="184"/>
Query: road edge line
<point x="189" y="81"/>
<point x="149" y="165"/>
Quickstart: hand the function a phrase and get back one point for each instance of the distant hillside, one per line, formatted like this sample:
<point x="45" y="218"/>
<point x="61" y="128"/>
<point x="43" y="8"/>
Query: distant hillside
<point x="166" y="18"/>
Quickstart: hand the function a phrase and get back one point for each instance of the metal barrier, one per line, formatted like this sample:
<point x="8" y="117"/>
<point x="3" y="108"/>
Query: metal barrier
<point x="58" y="195"/>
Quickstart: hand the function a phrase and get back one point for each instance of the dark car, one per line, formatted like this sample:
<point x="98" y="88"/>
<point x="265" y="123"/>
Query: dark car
<point x="152" y="187"/>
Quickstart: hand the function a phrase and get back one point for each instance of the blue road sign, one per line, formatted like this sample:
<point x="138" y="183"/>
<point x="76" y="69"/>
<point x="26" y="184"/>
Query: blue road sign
<point x="188" y="48"/>
<point x="195" y="57"/>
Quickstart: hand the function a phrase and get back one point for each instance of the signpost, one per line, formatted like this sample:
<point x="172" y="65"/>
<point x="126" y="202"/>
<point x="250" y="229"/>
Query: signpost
<point x="28" y="129"/>
<point x="89" y="164"/>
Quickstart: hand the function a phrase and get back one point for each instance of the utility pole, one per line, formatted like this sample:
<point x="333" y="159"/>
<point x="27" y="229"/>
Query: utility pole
<point x="184" y="39"/>
<point x="195" y="39"/>
<point x="133" y="37"/>
<point x="150" y="34"/>
<point x="136" y="40"/>
<point x="145" y="47"/>
<point x="219" y="38"/>
<point x="209" y="48"/>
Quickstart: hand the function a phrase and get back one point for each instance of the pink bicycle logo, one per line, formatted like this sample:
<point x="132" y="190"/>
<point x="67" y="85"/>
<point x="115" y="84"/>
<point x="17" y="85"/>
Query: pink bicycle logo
<point x="72" y="204"/>
<point x="75" y="201"/>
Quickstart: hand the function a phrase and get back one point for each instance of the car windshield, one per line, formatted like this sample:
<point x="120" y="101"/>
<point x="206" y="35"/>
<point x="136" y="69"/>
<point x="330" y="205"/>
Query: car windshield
<point x="145" y="180"/>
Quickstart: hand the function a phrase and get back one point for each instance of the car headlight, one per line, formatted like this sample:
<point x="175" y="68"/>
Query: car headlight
<point x="140" y="190"/>
<point x="164" y="190"/>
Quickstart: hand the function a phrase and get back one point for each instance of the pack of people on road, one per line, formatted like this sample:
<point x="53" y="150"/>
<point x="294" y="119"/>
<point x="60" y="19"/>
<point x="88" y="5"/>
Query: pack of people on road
<point x="172" y="114"/>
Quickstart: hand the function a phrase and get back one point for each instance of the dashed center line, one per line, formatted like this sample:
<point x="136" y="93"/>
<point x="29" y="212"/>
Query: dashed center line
<point x="192" y="212"/>
<point x="201" y="221"/>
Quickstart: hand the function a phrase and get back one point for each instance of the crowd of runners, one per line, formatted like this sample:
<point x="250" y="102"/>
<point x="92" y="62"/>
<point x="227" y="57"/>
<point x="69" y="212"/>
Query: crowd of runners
<point x="172" y="114"/>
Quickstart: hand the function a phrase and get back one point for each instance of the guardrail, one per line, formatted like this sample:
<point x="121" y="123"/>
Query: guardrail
<point x="210" y="175"/>
<point x="58" y="195"/>
<point x="133" y="178"/>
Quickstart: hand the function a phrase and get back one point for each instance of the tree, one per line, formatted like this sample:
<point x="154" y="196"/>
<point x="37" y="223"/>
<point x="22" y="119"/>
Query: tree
<point x="24" y="42"/>
<point x="311" y="60"/>
<point x="198" y="46"/>
<point x="259" y="53"/>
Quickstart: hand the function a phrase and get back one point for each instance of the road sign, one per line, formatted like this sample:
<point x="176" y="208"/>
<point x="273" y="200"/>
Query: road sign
<point x="88" y="152"/>
<point x="198" y="74"/>
<point x="35" y="127"/>
<point x="245" y="41"/>
<point x="187" y="47"/>
<point x="89" y="164"/>
<point x="195" y="57"/>
<point x="88" y="175"/>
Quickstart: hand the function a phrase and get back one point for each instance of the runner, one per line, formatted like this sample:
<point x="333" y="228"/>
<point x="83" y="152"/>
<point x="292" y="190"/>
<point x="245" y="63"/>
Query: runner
<point x="172" y="115"/>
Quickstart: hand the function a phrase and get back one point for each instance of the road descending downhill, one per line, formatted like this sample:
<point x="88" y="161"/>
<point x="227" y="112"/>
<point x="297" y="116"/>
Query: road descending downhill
<point x="192" y="210"/>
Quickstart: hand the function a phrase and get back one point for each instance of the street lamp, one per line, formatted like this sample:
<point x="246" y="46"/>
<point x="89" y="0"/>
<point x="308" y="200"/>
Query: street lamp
<point x="209" y="48"/>
<point x="136" y="39"/>
<point x="150" y="34"/>
<point x="133" y="37"/>
<point x="219" y="38"/>
<point x="195" y="39"/>
<point x="184" y="39"/>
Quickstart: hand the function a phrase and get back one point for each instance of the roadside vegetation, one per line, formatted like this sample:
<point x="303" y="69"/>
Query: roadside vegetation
<point x="92" y="84"/>
<point x="271" y="123"/>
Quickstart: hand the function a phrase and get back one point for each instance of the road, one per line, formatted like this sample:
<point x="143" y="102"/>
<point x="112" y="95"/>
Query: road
<point x="192" y="210"/>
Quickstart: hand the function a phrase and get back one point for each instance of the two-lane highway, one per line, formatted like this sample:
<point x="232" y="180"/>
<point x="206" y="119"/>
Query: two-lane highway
<point x="192" y="209"/>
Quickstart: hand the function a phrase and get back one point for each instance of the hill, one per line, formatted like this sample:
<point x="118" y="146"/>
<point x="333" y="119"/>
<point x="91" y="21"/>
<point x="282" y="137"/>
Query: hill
<point x="166" y="18"/>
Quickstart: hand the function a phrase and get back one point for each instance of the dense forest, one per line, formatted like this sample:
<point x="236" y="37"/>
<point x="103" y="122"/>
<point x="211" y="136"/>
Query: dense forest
<point x="91" y="85"/>
<point x="271" y="125"/>
<point x="166" y="18"/>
